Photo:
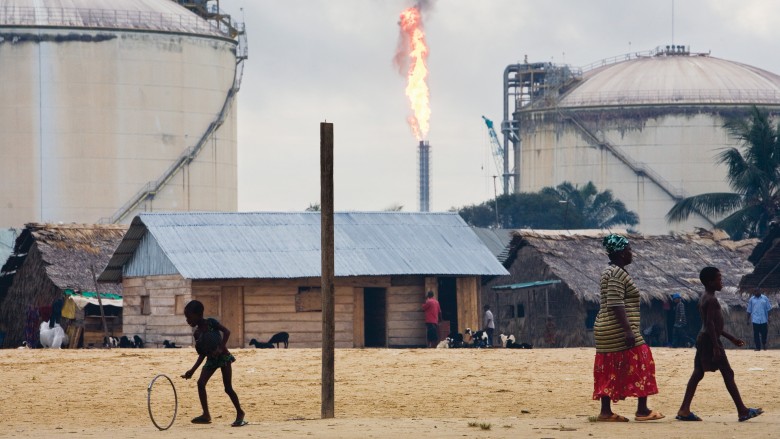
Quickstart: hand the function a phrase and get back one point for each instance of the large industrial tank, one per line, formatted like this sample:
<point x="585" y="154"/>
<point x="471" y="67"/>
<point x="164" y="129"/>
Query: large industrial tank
<point x="108" y="108"/>
<point x="647" y="126"/>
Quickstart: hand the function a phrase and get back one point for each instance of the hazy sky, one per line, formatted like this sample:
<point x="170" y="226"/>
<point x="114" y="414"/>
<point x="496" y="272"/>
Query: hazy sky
<point x="316" y="60"/>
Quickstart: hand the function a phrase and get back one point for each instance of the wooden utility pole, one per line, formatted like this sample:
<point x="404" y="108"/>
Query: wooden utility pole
<point x="328" y="268"/>
<point x="102" y="313"/>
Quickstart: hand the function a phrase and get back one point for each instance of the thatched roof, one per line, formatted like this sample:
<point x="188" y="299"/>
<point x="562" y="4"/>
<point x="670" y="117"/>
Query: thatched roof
<point x="766" y="258"/>
<point x="70" y="252"/>
<point x="662" y="265"/>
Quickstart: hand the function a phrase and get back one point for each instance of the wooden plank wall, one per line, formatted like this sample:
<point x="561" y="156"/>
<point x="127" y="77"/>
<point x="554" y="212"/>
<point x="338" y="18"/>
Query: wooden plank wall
<point x="163" y="323"/>
<point x="405" y="317"/>
<point x="468" y="302"/>
<point x="269" y="309"/>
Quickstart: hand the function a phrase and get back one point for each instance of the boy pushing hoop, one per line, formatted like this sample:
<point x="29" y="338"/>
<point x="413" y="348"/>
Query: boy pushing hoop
<point x="212" y="347"/>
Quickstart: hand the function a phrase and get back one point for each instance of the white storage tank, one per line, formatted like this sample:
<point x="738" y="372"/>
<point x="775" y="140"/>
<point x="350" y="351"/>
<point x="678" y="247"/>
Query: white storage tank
<point x="647" y="127"/>
<point x="108" y="108"/>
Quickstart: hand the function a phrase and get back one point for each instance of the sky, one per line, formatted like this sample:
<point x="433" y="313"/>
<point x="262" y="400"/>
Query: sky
<point x="312" y="61"/>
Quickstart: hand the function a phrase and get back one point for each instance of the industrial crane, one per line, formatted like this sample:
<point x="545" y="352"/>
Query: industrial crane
<point x="498" y="150"/>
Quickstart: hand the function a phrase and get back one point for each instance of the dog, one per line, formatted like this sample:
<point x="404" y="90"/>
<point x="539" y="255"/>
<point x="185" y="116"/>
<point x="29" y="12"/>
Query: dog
<point x="260" y="344"/>
<point x="444" y="344"/>
<point x="280" y="337"/>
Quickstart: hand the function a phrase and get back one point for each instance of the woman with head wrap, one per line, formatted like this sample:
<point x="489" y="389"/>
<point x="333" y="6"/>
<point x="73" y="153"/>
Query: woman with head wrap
<point x="624" y="365"/>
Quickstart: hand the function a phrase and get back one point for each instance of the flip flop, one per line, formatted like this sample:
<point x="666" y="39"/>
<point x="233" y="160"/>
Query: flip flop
<point x="200" y="420"/>
<point x="752" y="413"/>
<point x="653" y="416"/>
<point x="689" y="417"/>
<point x="239" y="423"/>
<point x="613" y="418"/>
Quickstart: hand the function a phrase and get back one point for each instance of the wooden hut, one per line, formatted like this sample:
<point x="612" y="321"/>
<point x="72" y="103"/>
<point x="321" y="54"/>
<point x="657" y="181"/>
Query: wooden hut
<point x="556" y="274"/>
<point x="47" y="261"/>
<point x="765" y="278"/>
<point x="259" y="273"/>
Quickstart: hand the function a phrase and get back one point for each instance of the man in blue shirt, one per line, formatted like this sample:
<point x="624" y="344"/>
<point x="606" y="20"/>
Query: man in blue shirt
<point x="758" y="314"/>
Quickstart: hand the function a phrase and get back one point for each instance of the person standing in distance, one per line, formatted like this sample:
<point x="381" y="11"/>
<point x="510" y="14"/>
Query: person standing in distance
<point x="758" y="314"/>
<point x="489" y="325"/>
<point x="432" y="311"/>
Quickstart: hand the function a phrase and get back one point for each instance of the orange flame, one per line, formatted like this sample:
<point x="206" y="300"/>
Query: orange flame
<point x="414" y="50"/>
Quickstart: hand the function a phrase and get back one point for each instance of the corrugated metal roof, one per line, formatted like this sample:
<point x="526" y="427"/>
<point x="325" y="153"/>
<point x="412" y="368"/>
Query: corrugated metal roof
<point x="162" y="15"/>
<point x="265" y="245"/>
<point x="524" y="285"/>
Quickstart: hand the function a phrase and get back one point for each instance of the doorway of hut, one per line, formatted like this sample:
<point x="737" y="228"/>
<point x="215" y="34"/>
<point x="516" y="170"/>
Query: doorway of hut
<point x="448" y="300"/>
<point x="375" y="317"/>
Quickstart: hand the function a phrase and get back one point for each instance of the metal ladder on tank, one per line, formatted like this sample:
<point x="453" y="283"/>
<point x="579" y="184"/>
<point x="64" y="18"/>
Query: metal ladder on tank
<point x="640" y="169"/>
<point x="150" y="189"/>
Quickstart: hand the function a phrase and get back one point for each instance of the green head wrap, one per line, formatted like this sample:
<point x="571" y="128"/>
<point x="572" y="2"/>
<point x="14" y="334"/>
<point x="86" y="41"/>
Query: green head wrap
<point x="614" y="243"/>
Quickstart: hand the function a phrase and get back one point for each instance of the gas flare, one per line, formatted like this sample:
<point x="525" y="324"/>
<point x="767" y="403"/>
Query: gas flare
<point x="411" y="56"/>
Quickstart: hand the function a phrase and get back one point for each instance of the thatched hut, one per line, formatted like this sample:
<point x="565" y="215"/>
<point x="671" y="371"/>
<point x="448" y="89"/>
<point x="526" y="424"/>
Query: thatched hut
<point x="260" y="273"/>
<point x="556" y="274"/>
<point x="49" y="260"/>
<point x="766" y="279"/>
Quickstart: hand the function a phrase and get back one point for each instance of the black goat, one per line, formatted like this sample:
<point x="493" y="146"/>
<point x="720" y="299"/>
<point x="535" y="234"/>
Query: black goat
<point x="260" y="344"/>
<point x="280" y="337"/>
<point x="170" y="345"/>
<point x="137" y="342"/>
<point x="125" y="342"/>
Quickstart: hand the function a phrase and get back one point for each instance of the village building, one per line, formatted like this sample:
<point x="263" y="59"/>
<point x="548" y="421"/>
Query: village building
<point x="59" y="261"/>
<point x="260" y="273"/>
<point x="551" y="296"/>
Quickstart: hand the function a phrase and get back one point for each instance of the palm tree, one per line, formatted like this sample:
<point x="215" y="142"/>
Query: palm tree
<point x="595" y="210"/>
<point x="753" y="175"/>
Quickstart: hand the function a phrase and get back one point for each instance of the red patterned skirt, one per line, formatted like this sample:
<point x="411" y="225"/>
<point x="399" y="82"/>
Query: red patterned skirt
<point x="626" y="373"/>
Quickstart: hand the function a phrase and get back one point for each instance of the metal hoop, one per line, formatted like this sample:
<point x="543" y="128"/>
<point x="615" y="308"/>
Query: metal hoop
<point x="149" y="402"/>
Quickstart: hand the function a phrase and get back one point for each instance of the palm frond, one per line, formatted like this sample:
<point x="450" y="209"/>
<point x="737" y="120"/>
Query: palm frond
<point x="712" y="204"/>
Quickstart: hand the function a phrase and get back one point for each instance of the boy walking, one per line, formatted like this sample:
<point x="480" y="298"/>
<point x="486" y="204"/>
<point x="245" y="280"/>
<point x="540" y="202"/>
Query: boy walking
<point x="216" y="356"/>
<point x="710" y="354"/>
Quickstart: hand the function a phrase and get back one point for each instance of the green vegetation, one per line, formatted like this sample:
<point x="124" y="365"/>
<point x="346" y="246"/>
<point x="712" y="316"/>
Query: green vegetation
<point x="565" y="206"/>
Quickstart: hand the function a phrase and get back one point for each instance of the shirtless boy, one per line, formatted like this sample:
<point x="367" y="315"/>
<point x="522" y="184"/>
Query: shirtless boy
<point x="710" y="355"/>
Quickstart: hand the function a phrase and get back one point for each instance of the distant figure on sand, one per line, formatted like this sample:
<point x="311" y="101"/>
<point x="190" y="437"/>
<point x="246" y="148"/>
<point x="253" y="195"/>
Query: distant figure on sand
<point x="624" y="365"/>
<point x="432" y="311"/>
<point x="710" y="355"/>
<point x="210" y="342"/>
<point x="758" y="314"/>
<point x="680" y="330"/>
<point x="489" y="325"/>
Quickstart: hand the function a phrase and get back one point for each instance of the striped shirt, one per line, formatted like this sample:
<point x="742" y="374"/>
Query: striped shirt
<point x="617" y="289"/>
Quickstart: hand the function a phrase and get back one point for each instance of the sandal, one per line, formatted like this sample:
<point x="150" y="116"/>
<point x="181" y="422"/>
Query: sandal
<point x="612" y="418"/>
<point x="653" y="416"/>
<point x="689" y="417"/>
<point x="201" y="420"/>
<point x="752" y="413"/>
<point x="238" y="423"/>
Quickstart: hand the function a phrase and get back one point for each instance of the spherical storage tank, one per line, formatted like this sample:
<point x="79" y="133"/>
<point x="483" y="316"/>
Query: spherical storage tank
<point x="108" y="108"/>
<point x="646" y="126"/>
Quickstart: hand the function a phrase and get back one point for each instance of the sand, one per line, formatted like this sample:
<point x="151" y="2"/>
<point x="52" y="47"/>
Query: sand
<point x="380" y="393"/>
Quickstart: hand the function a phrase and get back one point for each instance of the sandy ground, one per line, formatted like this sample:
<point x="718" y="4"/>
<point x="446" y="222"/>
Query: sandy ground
<point x="380" y="393"/>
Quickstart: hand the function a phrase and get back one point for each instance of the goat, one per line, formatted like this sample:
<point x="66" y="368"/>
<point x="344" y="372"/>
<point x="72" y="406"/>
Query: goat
<point x="125" y="342"/>
<point x="170" y="345"/>
<point x="260" y="344"/>
<point x="479" y="339"/>
<point x="510" y="343"/>
<point x="110" y="342"/>
<point x="456" y="340"/>
<point x="137" y="342"/>
<point x="280" y="337"/>
<point x="23" y="346"/>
